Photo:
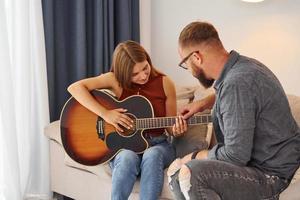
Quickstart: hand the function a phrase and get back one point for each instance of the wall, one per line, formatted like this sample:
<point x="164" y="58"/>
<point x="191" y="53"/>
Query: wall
<point x="268" y="31"/>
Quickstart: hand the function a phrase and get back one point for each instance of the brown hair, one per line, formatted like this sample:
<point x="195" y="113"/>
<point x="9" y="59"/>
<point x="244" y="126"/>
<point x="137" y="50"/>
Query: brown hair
<point x="197" y="33"/>
<point x="125" y="56"/>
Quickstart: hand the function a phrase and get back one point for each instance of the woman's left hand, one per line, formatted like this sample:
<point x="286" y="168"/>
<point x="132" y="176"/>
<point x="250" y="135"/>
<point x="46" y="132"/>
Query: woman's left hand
<point x="180" y="126"/>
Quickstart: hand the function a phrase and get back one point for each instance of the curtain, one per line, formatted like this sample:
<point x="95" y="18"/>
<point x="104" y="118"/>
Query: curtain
<point x="24" y="166"/>
<point x="80" y="38"/>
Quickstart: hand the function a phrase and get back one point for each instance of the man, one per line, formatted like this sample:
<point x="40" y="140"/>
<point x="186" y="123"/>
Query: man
<point x="258" y="140"/>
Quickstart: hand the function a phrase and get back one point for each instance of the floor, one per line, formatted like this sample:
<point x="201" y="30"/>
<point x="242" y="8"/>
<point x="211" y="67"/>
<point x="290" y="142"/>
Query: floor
<point x="57" y="196"/>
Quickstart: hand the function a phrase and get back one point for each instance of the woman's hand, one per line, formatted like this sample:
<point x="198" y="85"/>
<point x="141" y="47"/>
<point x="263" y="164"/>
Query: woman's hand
<point x="180" y="127"/>
<point x="117" y="117"/>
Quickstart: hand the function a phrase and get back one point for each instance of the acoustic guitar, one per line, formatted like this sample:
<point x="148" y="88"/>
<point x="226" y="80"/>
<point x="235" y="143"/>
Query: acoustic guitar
<point x="89" y="140"/>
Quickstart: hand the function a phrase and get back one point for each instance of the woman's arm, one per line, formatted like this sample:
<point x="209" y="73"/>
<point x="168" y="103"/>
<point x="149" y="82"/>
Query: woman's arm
<point x="80" y="90"/>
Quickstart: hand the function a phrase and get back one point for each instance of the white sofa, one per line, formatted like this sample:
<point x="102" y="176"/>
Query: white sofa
<point x="94" y="182"/>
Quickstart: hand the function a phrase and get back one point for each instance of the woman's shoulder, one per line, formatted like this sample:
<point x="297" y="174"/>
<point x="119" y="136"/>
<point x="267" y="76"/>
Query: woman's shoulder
<point x="168" y="85"/>
<point x="110" y="79"/>
<point x="108" y="75"/>
<point x="105" y="81"/>
<point x="167" y="80"/>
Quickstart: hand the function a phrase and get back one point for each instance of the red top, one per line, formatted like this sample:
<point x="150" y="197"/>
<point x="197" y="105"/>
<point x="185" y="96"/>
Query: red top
<point x="153" y="90"/>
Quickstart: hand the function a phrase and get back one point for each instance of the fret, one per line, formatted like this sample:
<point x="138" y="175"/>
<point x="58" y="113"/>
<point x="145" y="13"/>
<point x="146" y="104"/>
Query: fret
<point x="209" y="118"/>
<point x="147" y="123"/>
<point x="162" y="122"/>
<point x="143" y="124"/>
<point x="171" y="120"/>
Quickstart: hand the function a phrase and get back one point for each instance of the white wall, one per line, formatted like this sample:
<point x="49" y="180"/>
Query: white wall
<point x="268" y="31"/>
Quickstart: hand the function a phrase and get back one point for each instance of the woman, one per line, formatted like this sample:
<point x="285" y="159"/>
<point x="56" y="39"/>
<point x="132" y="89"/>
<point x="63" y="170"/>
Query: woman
<point x="132" y="73"/>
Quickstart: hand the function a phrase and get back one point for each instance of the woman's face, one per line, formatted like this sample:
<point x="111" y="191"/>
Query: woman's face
<point x="141" y="72"/>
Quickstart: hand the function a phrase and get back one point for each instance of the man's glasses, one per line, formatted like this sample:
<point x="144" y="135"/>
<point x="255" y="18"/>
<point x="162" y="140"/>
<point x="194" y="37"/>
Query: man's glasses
<point x="182" y="63"/>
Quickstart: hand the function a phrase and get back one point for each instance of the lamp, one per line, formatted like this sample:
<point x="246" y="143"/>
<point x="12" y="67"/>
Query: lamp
<point x="253" y="1"/>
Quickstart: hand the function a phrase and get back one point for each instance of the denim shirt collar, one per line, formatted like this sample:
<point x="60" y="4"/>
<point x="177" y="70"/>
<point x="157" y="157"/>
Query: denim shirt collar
<point x="233" y="57"/>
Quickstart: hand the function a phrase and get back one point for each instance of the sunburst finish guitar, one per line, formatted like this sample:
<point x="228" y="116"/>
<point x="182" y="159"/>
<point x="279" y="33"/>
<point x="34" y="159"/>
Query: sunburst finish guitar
<point x="89" y="140"/>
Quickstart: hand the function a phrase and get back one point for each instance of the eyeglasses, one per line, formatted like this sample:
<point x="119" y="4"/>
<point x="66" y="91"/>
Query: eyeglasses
<point x="182" y="64"/>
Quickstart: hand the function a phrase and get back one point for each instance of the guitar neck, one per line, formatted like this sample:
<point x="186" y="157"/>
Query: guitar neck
<point x="163" y="122"/>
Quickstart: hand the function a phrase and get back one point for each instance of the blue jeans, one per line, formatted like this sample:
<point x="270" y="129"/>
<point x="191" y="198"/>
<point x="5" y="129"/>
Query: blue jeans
<point x="127" y="166"/>
<point x="216" y="180"/>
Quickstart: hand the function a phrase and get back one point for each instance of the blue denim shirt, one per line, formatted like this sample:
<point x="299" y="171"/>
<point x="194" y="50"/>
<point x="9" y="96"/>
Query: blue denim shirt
<point x="252" y="119"/>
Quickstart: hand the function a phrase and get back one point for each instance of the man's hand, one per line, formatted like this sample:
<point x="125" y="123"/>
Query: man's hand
<point x="190" y="109"/>
<point x="197" y="106"/>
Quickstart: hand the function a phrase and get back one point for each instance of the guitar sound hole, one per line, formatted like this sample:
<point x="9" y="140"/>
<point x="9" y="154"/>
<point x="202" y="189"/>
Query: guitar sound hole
<point x="128" y="132"/>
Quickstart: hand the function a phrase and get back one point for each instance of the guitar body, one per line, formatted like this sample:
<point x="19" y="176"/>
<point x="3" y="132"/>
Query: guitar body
<point x="89" y="140"/>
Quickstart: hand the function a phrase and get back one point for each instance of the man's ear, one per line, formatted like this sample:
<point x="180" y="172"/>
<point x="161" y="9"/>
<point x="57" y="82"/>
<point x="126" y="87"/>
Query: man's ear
<point x="198" y="57"/>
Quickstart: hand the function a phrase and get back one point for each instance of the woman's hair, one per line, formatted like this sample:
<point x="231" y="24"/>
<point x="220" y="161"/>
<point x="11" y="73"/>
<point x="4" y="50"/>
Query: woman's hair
<point x="125" y="56"/>
<point x="197" y="33"/>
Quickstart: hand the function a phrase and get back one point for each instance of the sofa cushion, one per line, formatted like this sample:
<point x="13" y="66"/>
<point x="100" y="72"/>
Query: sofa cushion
<point x="294" y="102"/>
<point x="291" y="193"/>
<point x="197" y="137"/>
<point x="193" y="139"/>
<point x="201" y="92"/>
<point x="185" y="92"/>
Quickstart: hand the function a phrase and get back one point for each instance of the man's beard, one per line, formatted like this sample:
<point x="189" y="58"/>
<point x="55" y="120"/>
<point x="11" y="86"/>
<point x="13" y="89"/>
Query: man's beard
<point x="207" y="83"/>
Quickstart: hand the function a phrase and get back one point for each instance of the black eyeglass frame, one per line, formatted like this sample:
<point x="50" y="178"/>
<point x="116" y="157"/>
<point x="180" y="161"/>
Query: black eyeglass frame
<point x="186" y="58"/>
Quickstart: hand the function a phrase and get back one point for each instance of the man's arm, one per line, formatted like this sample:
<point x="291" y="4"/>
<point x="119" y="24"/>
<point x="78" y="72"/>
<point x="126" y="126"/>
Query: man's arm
<point x="236" y="115"/>
<point x="197" y="106"/>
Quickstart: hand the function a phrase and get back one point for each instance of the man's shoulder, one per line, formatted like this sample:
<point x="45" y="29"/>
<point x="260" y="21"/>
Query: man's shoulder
<point x="238" y="76"/>
<point x="247" y="70"/>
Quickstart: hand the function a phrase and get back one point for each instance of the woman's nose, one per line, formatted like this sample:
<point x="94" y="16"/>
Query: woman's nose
<point x="143" y="75"/>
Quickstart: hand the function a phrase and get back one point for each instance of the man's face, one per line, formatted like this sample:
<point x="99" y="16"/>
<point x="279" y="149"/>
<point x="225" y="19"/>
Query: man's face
<point x="193" y="61"/>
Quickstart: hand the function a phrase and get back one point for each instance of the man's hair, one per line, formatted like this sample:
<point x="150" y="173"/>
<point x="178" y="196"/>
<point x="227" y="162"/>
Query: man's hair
<point x="197" y="33"/>
<point x="125" y="56"/>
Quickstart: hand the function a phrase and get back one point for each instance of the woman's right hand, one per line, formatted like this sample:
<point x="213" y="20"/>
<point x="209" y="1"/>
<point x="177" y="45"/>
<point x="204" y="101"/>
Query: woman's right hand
<point x="116" y="117"/>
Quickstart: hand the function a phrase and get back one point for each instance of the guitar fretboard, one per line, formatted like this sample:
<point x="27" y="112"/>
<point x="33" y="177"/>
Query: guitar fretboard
<point x="162" y="122"/>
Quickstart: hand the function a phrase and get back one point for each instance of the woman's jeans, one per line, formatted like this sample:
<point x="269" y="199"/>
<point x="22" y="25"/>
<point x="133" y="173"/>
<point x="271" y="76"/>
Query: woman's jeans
<point x="150" y="165"/>
<point x="216" y="180"/>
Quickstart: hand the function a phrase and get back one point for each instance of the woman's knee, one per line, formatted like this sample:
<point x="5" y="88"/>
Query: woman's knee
<point x="127" y="158"/>
<point x="152" y="153"/>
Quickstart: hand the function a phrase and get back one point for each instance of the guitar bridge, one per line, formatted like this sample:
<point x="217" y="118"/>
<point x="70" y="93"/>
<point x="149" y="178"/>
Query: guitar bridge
<point x="99" y="128"/>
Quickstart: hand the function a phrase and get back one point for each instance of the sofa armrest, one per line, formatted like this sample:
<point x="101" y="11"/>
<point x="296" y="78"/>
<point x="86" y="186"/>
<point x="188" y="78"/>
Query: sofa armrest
<point x="52" y="131"/>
